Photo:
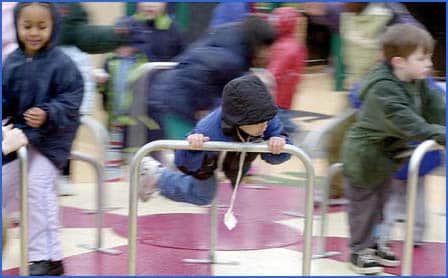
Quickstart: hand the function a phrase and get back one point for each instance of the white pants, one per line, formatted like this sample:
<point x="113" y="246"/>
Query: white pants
<point x="43" y="208"/>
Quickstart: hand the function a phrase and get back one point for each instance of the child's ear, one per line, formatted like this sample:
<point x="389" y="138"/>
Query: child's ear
<point x="397" y="62"/>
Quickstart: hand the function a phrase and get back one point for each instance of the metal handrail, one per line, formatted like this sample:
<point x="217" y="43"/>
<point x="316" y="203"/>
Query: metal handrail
<point x="101" y="136"/>
<point x="148" y="67"/>
<point x="413" y="170"/>
<point x="322" y="243"/>
<point x="217" y="146"/>
<point x="22" y="153"/>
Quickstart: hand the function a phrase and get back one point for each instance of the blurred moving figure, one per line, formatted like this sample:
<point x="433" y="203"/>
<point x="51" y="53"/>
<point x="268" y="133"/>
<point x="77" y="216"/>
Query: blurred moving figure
<point x="155" y="33"/>
<point x="9" y="41"/>
<point x="79" y="38"/>
<point x="178" y="98"/>
<point x="286" y="63"/>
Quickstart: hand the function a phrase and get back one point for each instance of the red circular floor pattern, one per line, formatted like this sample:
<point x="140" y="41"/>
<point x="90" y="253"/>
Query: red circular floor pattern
<point x="191" y="231"/>
<point x="255" y="209"/>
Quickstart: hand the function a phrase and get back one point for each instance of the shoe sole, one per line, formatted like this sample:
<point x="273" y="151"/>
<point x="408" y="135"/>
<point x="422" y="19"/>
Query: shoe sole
<point x="366" y="270"/>
<point x="385" y="262"/>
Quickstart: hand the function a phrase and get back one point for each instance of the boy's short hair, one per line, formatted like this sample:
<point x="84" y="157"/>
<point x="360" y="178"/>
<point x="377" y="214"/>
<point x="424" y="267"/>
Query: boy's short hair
<point x="401" y="40"/>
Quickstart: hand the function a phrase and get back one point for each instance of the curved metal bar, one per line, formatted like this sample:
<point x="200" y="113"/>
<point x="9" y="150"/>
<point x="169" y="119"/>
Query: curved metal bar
<point x="23" y="157"/>
<point x="414" y="166"/>
<point x="217" y="146"/>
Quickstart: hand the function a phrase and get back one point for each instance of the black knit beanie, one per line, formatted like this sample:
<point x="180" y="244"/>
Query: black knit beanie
<point x="246" y="101"/>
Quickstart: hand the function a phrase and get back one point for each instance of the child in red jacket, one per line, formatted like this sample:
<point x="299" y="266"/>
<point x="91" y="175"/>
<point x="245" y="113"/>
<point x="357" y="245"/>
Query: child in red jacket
<point x="286" y="62"/>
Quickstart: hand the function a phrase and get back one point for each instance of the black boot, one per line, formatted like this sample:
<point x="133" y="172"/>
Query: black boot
<point x="39" y="268"/>
<point x="56" y="268"/>
<point x="46" y="267"/>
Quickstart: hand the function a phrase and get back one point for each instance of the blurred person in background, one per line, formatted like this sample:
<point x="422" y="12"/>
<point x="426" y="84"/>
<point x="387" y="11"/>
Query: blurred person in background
<point x="9" y="41"/>
<point x="328" y="14"/>
<point x="286" y="63"/>
<point x="180" y="97"/>
<point x="79" y="38"/>
<point x="120" y="69"/>
<point x="155" y="33"/>
<point x="229" y="12"/>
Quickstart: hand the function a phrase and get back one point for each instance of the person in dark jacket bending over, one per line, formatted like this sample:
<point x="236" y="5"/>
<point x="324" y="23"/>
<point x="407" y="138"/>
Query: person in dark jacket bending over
<point x="399" y="106"/>
<point x="42" y="94"/>
<point x="248" y="114"/>
<point x="180" y="97"/>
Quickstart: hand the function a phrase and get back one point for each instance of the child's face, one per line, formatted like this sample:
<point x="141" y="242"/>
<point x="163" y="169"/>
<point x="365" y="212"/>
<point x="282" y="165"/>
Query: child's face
<point x="151" y="9"/>
<point x="35" y="25"/>
<point x="418" y="65"/>
<point x="255" y="129"/>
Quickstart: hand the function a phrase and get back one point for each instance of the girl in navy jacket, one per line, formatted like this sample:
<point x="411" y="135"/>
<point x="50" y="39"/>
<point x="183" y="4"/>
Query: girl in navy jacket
<point x="42" y="93"/>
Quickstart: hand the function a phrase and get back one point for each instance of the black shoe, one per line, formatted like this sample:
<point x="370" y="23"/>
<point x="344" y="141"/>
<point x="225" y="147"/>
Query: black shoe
<point x="385" y="257"/>
<point x="362" y="262"/>
<point x="45" y="268"/>
<point x="56" y="268"/>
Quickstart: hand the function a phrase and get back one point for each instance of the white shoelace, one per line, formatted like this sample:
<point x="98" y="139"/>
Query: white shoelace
<point x="229" y="218"/>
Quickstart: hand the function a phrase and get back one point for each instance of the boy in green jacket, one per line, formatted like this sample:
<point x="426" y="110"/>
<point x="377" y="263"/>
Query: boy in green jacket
<point x="398" y="107"/>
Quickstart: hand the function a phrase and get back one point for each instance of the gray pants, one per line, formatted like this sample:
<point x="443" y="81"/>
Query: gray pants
<point x="365" y="213"/>
<point x="396" y="209"/>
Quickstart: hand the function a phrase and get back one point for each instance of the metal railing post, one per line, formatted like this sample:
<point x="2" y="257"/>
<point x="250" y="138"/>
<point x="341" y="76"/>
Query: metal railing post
<point x="322" y="243"/>
<point x="99" y="219"/>
<point x="23" y="157"/>
<point x="101" y="136"/>
<point x="217" y="146"/>
<point x="414" y="166"/>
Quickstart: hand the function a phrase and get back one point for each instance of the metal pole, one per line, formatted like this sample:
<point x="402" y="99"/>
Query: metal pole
<point x="23" y="156"/>
<point x="321" y="247"/>
<point x="217" y="146"/>
<point x="414" y="166"/>
<point x="98" y="166"/>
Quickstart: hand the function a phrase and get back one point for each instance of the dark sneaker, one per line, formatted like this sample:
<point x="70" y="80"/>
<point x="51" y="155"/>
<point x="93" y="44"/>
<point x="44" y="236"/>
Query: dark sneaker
<point x="385" y="257"/>
<point x="362" y="262"/>
<point x="46" y="268"/>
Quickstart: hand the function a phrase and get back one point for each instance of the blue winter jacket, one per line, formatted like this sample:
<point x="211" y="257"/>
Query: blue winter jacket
<point x="229" y="12"/>
<point x="51" y="81"/>
<point x="211" y="126"/>
<point x="203" y="71"/>
<point x="160" y="39"/>
<point x="431" y="160"/>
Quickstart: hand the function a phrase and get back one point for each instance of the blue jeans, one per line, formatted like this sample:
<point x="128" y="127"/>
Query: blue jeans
<point x="180" y="187"/>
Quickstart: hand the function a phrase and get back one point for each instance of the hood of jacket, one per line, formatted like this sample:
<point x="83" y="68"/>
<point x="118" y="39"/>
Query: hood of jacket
<point x="55" y="30"/>
<point x="246" y="101"/>
<point x="285" y="20"/>
<point x="381" y="72"/>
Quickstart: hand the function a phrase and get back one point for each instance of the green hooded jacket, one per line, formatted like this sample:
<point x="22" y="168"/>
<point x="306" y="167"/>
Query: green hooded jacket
<point x="393" y="114"/>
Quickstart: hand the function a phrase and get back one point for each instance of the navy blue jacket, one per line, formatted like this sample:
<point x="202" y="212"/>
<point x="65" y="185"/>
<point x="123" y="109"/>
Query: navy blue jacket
<point x="204" y="163"/>
<point x="203" y="71"/>
<point x="51" y="81"/>
<point x="160" y="39"/>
